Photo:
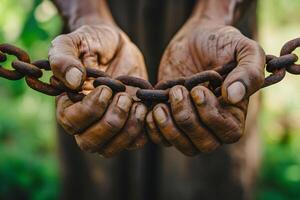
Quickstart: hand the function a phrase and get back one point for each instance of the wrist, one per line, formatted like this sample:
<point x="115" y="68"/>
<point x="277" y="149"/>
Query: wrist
<point x="89" y="19"/>
<point x="218" y="12"/>
<point x="77" y="13"/>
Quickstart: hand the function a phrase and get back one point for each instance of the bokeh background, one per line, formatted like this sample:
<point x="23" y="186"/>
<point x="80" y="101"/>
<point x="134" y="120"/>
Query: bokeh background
<point x="28" y="152"/>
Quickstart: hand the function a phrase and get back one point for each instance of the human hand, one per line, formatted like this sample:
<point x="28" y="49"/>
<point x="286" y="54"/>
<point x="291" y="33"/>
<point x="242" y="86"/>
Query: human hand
<point x="197" y="121"/>
<point x="102" y="122"/>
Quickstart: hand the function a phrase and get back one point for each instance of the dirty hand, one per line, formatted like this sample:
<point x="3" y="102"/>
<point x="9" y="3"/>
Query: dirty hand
<point x="197" y="121"/>
<point x="102" y="122"/>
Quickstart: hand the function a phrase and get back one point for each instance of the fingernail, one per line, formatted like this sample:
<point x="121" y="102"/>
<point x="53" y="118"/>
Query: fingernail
<point x="236" y="92"/>
<point x="74" y="77"/>
<point x="150" y="122"/>
<point x="140" y="112"/>
<point x="124" y="103"/>
<point x="198" y="96"/>
<point x="177" y="95"/>
<point x="105" y="95"/>
<point x="160" y="115"/>
<point x="151" y="125"/>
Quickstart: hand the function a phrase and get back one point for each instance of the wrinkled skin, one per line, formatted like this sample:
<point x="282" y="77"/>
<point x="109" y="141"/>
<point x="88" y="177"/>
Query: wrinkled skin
<point x="197" y="121"/>
<point x="102" y="122"/>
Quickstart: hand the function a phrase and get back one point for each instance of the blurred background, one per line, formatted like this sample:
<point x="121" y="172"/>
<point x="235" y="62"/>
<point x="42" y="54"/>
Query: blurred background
<point x="28" y="151"/>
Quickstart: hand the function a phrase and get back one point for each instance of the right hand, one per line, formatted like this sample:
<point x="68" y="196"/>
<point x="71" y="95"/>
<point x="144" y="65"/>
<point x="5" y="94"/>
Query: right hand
<point x="198" y="121"/>
<point x="101" y="122"/>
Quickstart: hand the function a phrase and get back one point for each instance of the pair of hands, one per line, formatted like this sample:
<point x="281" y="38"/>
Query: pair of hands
<point x="193" y="121"/>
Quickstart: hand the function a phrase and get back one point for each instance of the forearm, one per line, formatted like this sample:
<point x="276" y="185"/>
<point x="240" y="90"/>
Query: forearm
<point x="84" y="12"/>
<point x="224" y="12"/>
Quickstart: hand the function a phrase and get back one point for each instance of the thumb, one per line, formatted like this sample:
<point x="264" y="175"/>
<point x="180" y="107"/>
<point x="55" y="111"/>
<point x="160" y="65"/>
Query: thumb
<point x="65" y="62"/>
<point x="248" y="76"/>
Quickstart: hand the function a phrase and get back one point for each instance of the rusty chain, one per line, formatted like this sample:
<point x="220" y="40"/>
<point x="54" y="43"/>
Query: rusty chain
<point x="32" y="72"/>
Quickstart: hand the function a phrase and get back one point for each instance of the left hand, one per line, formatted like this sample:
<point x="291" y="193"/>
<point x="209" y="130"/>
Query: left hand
<point x="101" y="122"/>
<point x="197" y="121"/>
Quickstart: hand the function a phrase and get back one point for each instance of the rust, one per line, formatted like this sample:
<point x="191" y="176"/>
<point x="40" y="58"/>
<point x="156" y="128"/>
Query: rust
<point x="13" y="50"/>
<point x="2" y="57"/>
<point x="10" y="74"/>
<point x="27" y="68"/>
<point x="148" y="94"/>
<point x="42" y="64"/>
<point x="288" y="48"/>
<point x="42" y="87"/>
<point x="95" y="73"/>
<point x="19" y="53"/>
<point x="163" y="85"/>
<point x="57" y="84"/>
<point x="75" y="97"/>
<point x="115" y="85"/>
<point x="211" y="76"/>
<point x="280" y="62"/>
<point x="153" y="95"/>
<point x="275" y="77"/>
<point x="135" y="82"/>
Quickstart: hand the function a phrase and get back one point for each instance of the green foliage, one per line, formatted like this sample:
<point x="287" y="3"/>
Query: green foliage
<point x="279" y="120"/>
<point x="28" y="160"/>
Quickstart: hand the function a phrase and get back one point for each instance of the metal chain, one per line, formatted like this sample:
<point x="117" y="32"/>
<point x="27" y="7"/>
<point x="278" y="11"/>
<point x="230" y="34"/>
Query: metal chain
<point x="213" y="79"/>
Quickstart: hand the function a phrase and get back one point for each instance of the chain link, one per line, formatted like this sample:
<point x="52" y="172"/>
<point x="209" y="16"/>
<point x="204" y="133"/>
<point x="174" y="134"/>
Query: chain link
<point x="213" y="79"/>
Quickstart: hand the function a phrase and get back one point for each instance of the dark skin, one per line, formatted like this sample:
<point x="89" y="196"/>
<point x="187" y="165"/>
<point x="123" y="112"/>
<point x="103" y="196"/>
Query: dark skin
<point x="194" y="121"/>
<point x="101" y="122"/>
<point x="197" y="121"/>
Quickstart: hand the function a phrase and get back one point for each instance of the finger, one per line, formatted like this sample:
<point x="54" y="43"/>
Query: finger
<point x="139" y="143"/>
<point x="99" y="44"/>
<point x="65" y="62"/>
<point x="86" y="112"/>
<point x="248" y="76"/>
<point x="111" y="123"/>
<point x="153" y="132"/>
<point x="63" y="102"/>
<point x="129" y="133"/>
<point x="167" y="127"/>
<point x="186" y="118"/>
<point x="227" y="124"/>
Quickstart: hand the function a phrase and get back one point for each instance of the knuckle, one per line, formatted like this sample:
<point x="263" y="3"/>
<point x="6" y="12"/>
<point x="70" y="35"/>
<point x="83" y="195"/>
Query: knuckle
<point x="184" y="119"/>
<point x="132" y="132"/>
<point x="85" y="27"/>
<point x="173" y="136"/>
<point x="154" y="137"/>
<point x="122" y="105"/>
<point x="231" y="136"/>
<point x="208" y="146"/>
<point x="103" y="103"/>
<point x="65" y="123"/>
<point x="211" y="117"/>
<point x="59" y="39"/>
<point x="85" y="144"/>
<point x="113" y="123"/>
<point x="253" y="47"/>
<point x="228" y="29"/>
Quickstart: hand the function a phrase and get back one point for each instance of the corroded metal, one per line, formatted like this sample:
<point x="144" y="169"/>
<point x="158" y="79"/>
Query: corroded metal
<point x="22" y="67"/>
